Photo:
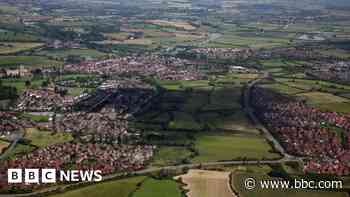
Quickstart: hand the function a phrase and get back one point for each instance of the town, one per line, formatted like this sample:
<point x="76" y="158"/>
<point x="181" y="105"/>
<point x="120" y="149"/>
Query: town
<point x="168" y="97"/>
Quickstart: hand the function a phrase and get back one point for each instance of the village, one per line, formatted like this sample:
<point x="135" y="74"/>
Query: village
<point x="151" y="65"/>
<point x="107" y="158"/>
<point x="102" y="139"/>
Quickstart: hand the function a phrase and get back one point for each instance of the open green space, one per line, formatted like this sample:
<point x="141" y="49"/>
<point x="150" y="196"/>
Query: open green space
<point x="195" y="101"/>
<point x="45" y="138"/>
<point x="171" y="155"/>
<point x="20" y="84"/>
<point x="226" y="146"/>
<point x="64" y="53"/>
<point x="226" y="98"/>
<point x="307" y="84"/>
<point x="236" y="121"/>
<point x="11" y="36"/>
<point x="36" y="118"/>
<point x="326" y="101"/>
<point x="256" y="41"/>
<point x="158" y="188"/>
<point x="35" y="61"/>
<point x="335" y="52"/>
<point x="120" y="188"/>
<point x="282" y="88"/>
<point x="20" y="149"/>
<point x="6" y="8"/>
<point x="184" y="121"/>
<point x="77" y="91"/>
<point x="13" y="47"/>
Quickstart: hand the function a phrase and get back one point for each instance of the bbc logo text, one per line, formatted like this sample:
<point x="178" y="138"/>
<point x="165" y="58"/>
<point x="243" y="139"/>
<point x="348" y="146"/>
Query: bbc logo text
<point x="43" y="176"/>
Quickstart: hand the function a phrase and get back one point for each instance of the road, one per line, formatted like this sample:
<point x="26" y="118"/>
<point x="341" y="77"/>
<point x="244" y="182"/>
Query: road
<point x="15" y="138"/>
<point x="150" y="170"/>
<point x="250" y="111"/>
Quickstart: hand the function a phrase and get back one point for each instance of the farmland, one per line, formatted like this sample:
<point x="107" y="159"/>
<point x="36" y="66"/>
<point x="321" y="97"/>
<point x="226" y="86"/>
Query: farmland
<point x="13" y="47"/>
<point x="125" y="188"/>
<point x="220" y="129"/>
<point x="202" y="183"/>
<point x="158" y="188"/>
<point x="171" y="155"/>
<point x="327" y="101"/>
<point x="137" y="187"/>
<point x="60" y="54"/>
<point x="327" y="96"/>
<point x="176" y="24"/>
<point x="30" y="61"/>
<point x="225" y="146"/>
<point x="10" y="36"/>
<point x="255" y="41"/>
<point x="20" y="84"/>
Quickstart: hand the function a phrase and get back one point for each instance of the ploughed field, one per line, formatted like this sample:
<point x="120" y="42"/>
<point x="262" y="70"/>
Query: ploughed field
<point x="203" y="183"/>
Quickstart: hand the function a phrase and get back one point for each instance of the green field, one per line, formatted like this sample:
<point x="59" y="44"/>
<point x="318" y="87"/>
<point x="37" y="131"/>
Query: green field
<point x="171" y="85"/>
<point x="20" y="149"/>
<point x="326" y="101"/>
<point x="13" y="47"/>
<point x="257" y="41"/>
<point x="46" y="138"/>
<point x="236" y="121"/>
<point x="184" y="121"/>
<point x="120" y="188"/>
<point x="335" y="52"/>
<point x="170" y="155"/>
<point x="282" y="88"/>
<point x="306" y="84"/>
<point x="76" y="91"/>
<point x="36" y="118"/>
<point x="64" y="53"/>
<point x="9" y="9"/>
<point x="20" y="84"/>
<point x="158" y="188"/>
<point x="10" y="36"/>
<point x="36" y="61"/>
<point x="226" y="146"/>
<point x="226" y="98"/>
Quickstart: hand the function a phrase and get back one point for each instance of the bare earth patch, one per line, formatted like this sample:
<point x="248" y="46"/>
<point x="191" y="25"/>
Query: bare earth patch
<point x="3" y="145"/>
<point x="178" y="24"/>
<point x="204" y="183"/>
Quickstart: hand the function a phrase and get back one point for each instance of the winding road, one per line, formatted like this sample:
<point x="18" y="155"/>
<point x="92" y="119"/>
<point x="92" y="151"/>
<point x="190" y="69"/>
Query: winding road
<point x="250" y="111"/>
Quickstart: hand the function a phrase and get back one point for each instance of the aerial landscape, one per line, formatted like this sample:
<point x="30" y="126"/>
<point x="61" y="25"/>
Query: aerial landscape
<point x="176" y="98"/>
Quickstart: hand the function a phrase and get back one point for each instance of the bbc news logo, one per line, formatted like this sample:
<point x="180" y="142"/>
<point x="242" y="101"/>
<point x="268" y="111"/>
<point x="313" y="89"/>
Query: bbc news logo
<point x="39" y="176"/>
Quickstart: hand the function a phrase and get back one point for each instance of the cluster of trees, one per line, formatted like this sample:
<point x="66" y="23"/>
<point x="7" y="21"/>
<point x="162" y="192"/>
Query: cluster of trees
<point x="8" y="92"/>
